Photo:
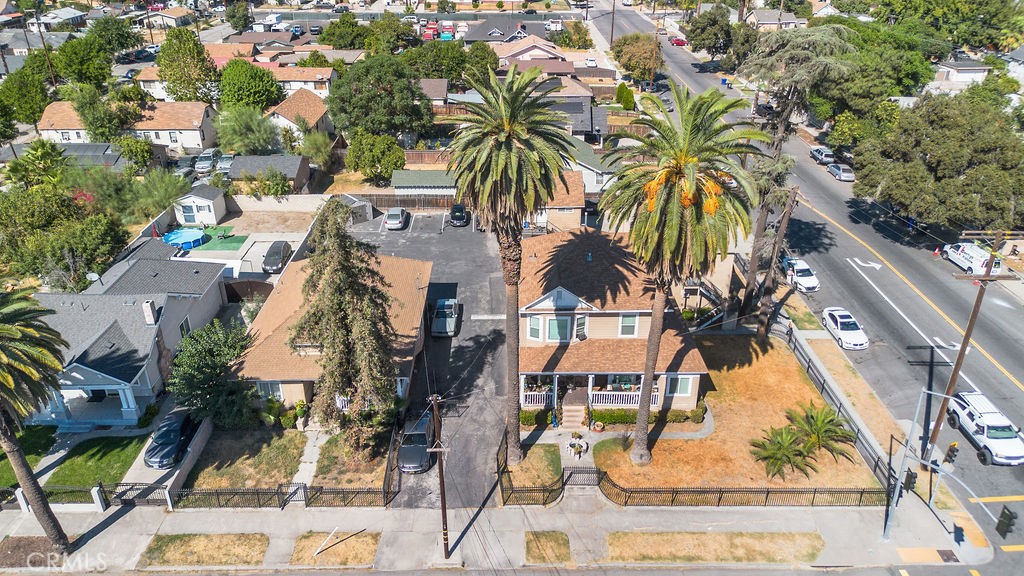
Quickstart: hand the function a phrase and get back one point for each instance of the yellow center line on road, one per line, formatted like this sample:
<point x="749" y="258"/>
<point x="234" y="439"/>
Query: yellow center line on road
<point x="904" y="573"/>
<point x="998" y="499"/>
<point x="1013" y="548"/>
<point x="911" y="285"/>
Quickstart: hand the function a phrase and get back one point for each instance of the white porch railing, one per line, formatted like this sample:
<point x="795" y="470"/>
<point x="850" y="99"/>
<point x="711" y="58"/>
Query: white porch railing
<point x="538" y="399"/>
<point x="625" y="399"/>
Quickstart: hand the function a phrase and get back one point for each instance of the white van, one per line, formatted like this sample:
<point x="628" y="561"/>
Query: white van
<point x="970" y="257"/>
<point x="553" y="25"/>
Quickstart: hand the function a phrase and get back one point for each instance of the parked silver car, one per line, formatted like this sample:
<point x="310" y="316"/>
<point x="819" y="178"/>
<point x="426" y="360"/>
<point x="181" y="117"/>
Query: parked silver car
<point x="207" y="161"/>
<point x="823" y="155"/>
<point x="446" y="318"/>
<point x="841" y="172"/>
<point x="418" y="437"/>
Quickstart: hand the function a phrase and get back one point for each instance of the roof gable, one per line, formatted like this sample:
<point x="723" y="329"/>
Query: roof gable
<point x="558" y="299"/>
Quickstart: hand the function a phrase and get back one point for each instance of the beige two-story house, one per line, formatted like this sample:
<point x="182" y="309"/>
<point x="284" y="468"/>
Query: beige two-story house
<point x="584" y="322"/>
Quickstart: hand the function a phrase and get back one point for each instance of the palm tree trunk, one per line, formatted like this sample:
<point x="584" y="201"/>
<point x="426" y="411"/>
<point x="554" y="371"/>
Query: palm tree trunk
<point x="769" y="282"/>
<point x="641" y="452"/>
<point x="33" y="492"/>
<point x="510" y="250"/>
<point x="753" y="266"/>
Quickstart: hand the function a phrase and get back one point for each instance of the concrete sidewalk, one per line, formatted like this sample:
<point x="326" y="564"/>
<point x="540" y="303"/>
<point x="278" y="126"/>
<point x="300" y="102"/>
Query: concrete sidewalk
<point x="494" y="538"/>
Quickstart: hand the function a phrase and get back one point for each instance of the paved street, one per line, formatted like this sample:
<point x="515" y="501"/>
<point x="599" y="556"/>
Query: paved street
<point x="466" y="370"/>
<point x="907" y="299"/>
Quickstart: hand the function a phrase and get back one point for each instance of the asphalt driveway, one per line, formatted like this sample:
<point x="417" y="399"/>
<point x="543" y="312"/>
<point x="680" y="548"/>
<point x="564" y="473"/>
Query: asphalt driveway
<point x="467" y="370"/>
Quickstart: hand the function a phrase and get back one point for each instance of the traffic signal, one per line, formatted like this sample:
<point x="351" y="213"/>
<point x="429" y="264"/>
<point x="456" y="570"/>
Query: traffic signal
<point x="1007" y="518"/>
<point x="951" y="453"/>
<point x="910" y="481"/>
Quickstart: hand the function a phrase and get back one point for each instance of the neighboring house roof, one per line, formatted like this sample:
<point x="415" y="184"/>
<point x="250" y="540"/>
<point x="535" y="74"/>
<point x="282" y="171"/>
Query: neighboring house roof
<point x="60" y="116"/>
<point x="270" y="357"/>
<point x="105" y="333"/>
<point x="547" y="66"/>
<point x="594" y="266"/>
<point x="301" y="74"/>
<point x="346" y="56"/>
<point x="573" y="87"/>
<point x="570" y="193"/>
<point x="176" y="12"/>
<point x="287" y="164"/>
<point x="434" y="88"/>
<point x="422" y="179"/>
<point x="15" y="40"/>
<point x="172" y="116"/>
<point x="60" y="15"/>
<point x="503" y="29"/>
<point x="261" y="38"/>
<point x="204" y="191"/>
<point x="677" y="353"/>
<point x="772" y="17"/>
<point x="95" y="154"/>
<point x="585" y="155"/>
<point x="585" y="119"/>
<point x="963" y="65"/>
<point x="530" y="42"/>
<point x="148" y="74"/>
<point x="1016" y="55"/>
<point x="228" y="50"/>
<point x="301" y="103"/>
<point x="14" y="63"/>
<point x="144" y="276"/>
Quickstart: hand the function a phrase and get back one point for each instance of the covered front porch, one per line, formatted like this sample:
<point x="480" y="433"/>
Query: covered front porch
<point x="85" y="407"/>
<point x="540" y="390"/>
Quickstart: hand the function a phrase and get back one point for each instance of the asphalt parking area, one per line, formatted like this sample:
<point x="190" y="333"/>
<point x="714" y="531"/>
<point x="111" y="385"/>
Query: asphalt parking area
<point x="467" y="370"/>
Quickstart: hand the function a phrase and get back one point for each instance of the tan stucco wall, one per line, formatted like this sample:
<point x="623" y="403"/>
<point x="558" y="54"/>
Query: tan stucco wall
<point x="569" y="220"/>
<point x="292" y="392"/>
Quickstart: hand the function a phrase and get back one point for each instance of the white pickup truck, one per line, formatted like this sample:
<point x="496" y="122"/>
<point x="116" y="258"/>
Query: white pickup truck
<point x="997" y="440"/>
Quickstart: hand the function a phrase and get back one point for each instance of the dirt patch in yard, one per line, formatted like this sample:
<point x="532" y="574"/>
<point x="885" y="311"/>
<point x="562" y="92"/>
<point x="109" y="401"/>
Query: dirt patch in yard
<point x="28" y="552"/>
<point x="339" y="466"/>
<point x="686" y="547"/>
<point x="350" y="183"/>
<point x="751" y="387"/>
<point x="548" y="547"/>
<point x="341" y="549"/>
<point x="253" y="222"/>
<point x="260" y="458"/>
<point x="205" y="550"/>
<point x="540" y="467"/>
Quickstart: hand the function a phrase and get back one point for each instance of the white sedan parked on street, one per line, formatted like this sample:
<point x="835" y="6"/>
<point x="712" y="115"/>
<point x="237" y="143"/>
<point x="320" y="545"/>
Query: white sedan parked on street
<point x="844" y="328"/>
<point x="803" y="278"/>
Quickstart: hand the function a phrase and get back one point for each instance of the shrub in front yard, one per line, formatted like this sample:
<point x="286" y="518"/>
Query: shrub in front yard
<point x="628" y="415"/>
<point x="535" y="417"/>
<point x="288" y="419"/>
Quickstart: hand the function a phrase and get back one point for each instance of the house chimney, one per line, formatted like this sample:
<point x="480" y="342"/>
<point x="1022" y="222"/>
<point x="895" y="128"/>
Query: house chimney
<point x="149" y="312"/>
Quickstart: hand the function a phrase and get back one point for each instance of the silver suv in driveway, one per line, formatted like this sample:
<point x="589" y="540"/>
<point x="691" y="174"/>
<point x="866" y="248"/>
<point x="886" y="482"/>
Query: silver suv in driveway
<point x="413" y="457"/>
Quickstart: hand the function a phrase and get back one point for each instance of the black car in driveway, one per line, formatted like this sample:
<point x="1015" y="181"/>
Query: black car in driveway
<point x="277" y="256"/>
<point x="170" y="440"/>
<point x="413" y="457"/>
<point x="458" y="216"/>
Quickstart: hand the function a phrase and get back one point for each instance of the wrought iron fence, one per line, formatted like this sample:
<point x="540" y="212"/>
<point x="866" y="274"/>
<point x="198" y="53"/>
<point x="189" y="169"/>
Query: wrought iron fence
<point x="227" y="498"/>
<point x="327" y="497"/>
<point x="392" y="484"/>
<point x="740" y="496"/>
<point x="68" y="494"/>
<point x="134" y="494"/>
<point x="7" y="499"/>
<point x="522" y="495"/>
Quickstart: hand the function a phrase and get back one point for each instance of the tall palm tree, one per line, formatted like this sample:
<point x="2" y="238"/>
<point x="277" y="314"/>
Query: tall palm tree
<point x="507" y="158"/>
<point x="686" y="198"/>
<point x="30" y="358"/>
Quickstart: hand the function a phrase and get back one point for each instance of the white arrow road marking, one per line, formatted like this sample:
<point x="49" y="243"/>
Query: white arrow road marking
<point x="868" y="264"/>
<point x="911" y="324"/>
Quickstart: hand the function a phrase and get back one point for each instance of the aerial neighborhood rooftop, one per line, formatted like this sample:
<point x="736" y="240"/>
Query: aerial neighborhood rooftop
<point x="694" y="276"/>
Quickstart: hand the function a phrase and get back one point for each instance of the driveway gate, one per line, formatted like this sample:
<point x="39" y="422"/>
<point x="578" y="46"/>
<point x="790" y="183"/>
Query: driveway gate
<point x="134" y="494"/>
<point x="581" y="476"/>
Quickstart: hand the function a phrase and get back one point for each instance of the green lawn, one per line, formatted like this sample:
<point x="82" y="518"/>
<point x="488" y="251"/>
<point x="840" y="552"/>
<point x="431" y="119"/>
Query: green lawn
<point x="35" y="442"/>
<point x="104" y="459"/>
<point x="229" y="243"/>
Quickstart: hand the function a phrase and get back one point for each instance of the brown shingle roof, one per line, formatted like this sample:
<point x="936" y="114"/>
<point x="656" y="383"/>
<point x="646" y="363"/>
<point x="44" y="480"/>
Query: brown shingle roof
<point x="595" y="266"/>
<point x="302" y="103"/>
<point x="60" y="116"/>
<point x="172" y="116"/>
<point x="301" y="74"/>
<point x="271" y="359"/>
<point x="570" y="196"/>
<point x="434" y="88"/>
<point x="176" y="12"/>
<point x="229" y="50"/>
<point x="678" y="353"/>
<point x="148" y="74"/>
<point x="525" y="44"/>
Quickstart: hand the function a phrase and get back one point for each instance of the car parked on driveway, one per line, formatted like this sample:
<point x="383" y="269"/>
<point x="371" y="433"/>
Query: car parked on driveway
<point x="844" y="328"/>
<point x="823" y="155"/>
<point x="170" y="440"/>
<point x="417" y="438"/>
<point x="277" y="256"/>
<point x="841" y="172"/>
<point x="153" y="49"/>
<point x="224" y="163"/>
<point x="446" y="318"/>
<point x="207" y="161"/>
<point x="458" y="216"/>
<point x="316" y="30"/>
<point x="395" y="218"/>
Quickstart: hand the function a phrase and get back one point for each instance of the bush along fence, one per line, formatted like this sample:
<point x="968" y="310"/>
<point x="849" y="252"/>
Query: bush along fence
<point x="510" y="494"/>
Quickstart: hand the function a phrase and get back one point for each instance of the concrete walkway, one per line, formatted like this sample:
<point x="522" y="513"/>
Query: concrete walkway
<point x="310" y="455"/>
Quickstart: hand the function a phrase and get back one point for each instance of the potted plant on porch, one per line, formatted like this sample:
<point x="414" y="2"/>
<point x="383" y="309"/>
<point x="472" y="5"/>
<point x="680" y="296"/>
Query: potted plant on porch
<point x="301" y="415"/>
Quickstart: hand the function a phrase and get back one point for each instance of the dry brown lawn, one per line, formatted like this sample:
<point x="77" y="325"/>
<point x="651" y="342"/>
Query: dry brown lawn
<point x="540" y="467"/>
<point x="342" y="549"/>
<point x="260" y="458"/>
<point x="349" y="183"/>
<point x="752" y="389"/>
<point x="28" y="552"/>
<point x="205" y="550"/>
<point x="253" y="222"/>
<point x="684" y="547"/>
<point x="340" y="467"/>
<point x="548" y="547"/>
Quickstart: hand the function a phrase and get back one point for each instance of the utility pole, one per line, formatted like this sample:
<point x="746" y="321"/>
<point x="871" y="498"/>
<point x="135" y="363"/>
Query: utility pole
<point x="439" y="449"/>
<point x="46" y="51"/>
<point x="983" y="282"/>
<point x="612" y="39"/>
<point x="769" y="278"/>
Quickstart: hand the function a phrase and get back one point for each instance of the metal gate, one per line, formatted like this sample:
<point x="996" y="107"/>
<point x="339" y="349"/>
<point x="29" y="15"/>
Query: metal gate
<point x="288" y="492"/>
<point x="581" y="476"/>
<point x="134" y="494"/>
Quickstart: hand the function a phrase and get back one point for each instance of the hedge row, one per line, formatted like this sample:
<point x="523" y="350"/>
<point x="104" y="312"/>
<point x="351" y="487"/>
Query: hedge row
<point x="617" y="415"/>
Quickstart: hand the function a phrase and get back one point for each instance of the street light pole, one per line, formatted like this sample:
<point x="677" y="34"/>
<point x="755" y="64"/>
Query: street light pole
<point x="434" y="399"/>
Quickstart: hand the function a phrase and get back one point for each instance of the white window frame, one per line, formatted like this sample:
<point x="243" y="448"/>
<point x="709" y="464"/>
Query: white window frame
<point x="267" y="390"/>
<point x="173" y="136"/>
<point x="678" y="378"/>
<point x="568" y="328"/>
<point x="581" y="321"/>
<point x="636" y="325"/>
<point x="529" y="327"/>
<point x="185" y="327"/>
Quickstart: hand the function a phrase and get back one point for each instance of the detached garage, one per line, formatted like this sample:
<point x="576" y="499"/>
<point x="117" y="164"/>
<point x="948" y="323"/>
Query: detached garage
<point x="423" y="183"/>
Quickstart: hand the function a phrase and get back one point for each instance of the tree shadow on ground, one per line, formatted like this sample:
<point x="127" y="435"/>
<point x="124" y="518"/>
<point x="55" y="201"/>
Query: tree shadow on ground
<point x="895" y="226"/>
<point x="805" y="237"/>
<point x="730" y="351"/>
